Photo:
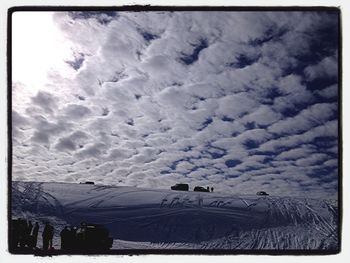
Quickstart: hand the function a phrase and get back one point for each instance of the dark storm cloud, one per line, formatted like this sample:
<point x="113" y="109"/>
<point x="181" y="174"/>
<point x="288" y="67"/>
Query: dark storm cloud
<point x="242" y="100"/>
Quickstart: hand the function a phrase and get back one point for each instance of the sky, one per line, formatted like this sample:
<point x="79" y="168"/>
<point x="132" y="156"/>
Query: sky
<point x="241" y="101"/>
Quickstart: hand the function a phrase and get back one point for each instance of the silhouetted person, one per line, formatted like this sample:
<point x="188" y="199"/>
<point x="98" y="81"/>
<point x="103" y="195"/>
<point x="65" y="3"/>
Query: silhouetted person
<point x="15" y="233"/>
<point x="22" y="232"/>
<point x="51" y="232"/>
<point x="69" y="242"/>
<point x="72" y="238"/>
<point x="34" y="235"/>
<point x="29" y="227"/>
<point x="64" y="238"/>
<point x="212" y="189"/>
<point x="81" y="235"/>
<point x="208" y="188"/>
<point x="28" y="233"/>
<point x="47" y="236"/>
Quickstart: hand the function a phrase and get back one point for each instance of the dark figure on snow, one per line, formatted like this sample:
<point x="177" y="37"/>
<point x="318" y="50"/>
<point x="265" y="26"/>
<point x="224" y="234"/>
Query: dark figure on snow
<point x="34" y="236"/>
<point x="71" y="238"/>
<point x="51" y="234"/>
<point x="47" y="236"/>
<point x="23" y="230"/>
<point x="212" y="189"/>
<point x="81" y="235"/>
<point x="208" y="188"/>
<point x="28" y="232"/>
<point x="64" y="238"/>
<point x="15" y="232"/>
<point x="29" y="227"/>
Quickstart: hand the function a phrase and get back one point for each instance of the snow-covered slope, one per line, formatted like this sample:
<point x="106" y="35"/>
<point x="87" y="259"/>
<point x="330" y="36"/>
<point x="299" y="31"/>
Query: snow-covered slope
<point x="162" y="219"/>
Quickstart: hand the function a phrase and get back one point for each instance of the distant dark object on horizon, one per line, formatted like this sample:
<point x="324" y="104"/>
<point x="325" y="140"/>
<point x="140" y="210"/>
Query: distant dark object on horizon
<point x="261" y="193"/>
<point x="88" y="182"/>
<point x="180" y="187"/>
<point x="200" y="189"/>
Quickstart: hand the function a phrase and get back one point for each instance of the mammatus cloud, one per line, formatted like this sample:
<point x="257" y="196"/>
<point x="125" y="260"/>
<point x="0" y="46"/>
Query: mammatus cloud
<point x="244" y="101"/>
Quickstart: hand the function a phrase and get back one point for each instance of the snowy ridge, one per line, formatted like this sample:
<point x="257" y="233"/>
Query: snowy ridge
<point x="165" y="219"/>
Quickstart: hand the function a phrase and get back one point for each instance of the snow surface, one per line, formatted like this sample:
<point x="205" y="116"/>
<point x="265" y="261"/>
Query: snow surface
<point x="165" y="219"/>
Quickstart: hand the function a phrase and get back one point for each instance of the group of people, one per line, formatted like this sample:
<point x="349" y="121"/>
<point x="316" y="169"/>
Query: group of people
<point x="25" y="235"/>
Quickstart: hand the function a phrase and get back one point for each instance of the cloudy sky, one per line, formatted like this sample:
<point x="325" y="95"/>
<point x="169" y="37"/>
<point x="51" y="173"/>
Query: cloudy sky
<point x="242" y="101"/>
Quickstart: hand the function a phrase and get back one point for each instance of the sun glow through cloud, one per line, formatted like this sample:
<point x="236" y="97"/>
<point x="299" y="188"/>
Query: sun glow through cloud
<point x="38" y="48"/>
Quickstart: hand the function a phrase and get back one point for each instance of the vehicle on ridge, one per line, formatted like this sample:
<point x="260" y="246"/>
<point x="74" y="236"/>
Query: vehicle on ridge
<point x="180" y="187"/>
<point x="262" y="193"/>
<point x="200" y="189"/>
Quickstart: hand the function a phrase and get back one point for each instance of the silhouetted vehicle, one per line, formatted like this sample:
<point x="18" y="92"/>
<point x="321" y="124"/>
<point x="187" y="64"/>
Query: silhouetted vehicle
<point x="262" y="193"/>
<point x="88" y="182"/>
<point x="180" y="187"/>
<point x="93" y="237"/>
<point x="200" y="189"/>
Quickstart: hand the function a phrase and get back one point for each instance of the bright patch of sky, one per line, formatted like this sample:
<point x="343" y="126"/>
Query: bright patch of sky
<point x="242" y="101"/>
<point x="38" y="49"/>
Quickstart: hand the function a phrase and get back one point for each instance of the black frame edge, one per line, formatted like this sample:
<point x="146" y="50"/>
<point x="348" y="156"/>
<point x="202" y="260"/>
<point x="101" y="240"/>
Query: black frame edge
<point x="140" y="8"/>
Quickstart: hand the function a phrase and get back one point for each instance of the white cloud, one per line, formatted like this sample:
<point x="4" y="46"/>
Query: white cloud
<point x="294" y="154"/>
<point x="264" y="115"/>
<point x="315" y="158"/>
<point x="329" y="92"/>
<point x="235" y="106"/>
<point x="312" y="116"/>
<point x="327" y="67"/>
<point x="328" y="129"/>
